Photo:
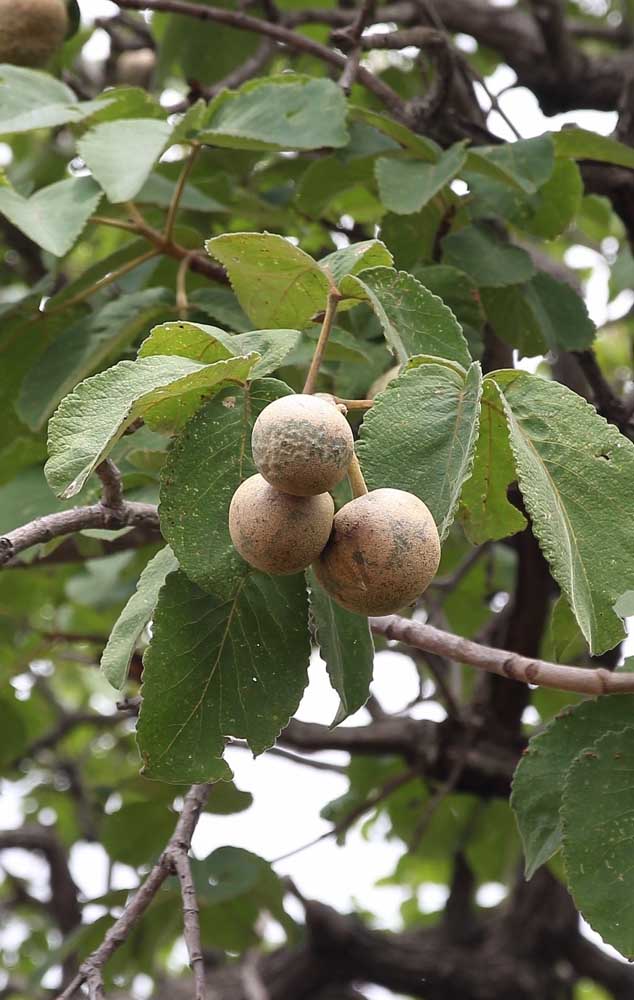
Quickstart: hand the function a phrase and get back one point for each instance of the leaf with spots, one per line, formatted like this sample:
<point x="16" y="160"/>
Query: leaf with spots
<point x="219" y="667"/>
<point x="204" y="467"/>
<point x="539" y="780"/>
<point x="598" y="836"/>
<point x="420" y="435"/>
<point x="572" y="468"/>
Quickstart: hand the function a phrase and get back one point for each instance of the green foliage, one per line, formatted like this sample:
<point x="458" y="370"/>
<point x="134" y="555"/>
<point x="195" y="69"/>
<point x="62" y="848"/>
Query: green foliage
<point x="119" y="328"/>
<point x="211" y="663"/>
<point x="420" y="435"/>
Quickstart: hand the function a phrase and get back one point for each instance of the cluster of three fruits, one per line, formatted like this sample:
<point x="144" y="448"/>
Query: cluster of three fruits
<point x="377" y="554"/>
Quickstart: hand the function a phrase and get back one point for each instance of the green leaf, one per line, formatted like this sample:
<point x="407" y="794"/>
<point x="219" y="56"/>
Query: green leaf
<point x="491" y="263"/>
<point x="405" y="186"/>
<point x="208" y="344"/>
<point x="228" y="799"/>
<point x="538" y="784"/>
<point x="581" y="144"/>
<point x="278" y="113"/>
<point x="529" y="162"/>
<point x="222" y="305"/>
<point x="137" y="832"/>
<point x="54" y="216"/>
<point x="276" y="283"/>
<point x="567" y="643"/>
<point x="425" y="149"/>
<point x="91" y="419"/>
<point x="624" y="607"/>
<point x="30" y="99"/>
<point x="420" y="436"/>
<point x="121" y="154"/>
<point x="220" y="667"/>
<point x="487" y="513"/>
<point x="159" y="190"/>
<point x="412" y="238"/>
<point x="357" y="257"/>
<point x="127" y="630"/>
<point x="414" y="321"/>
<point x="598" y="835"/>
<point x="573" y="467"/>
<point x="543" y="314"/>
<point x="551" y="210"/>
<point x="204" y="467"/>
<point x="458" y="292"/>
<point x="82" y="348"/>
<point x="346" y="646"/>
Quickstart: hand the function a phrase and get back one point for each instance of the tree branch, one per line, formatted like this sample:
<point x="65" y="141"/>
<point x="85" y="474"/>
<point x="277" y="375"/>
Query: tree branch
<point x="177" y="848"/>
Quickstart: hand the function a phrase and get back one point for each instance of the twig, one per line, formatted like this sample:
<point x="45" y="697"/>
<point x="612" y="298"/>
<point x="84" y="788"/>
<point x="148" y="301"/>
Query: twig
<point x="67" y="522"/>
<point x="352" y="37"/>
<point x="182" y="305"/>
<point x="350" y="818"/>
<point x="112" y="484"/>
<point x="295" y="41"/>
<point x="501" y="662"/>
<point x="334" y="297"/>
<point x="177" y="847"/>
<point x="355" y="475"/>
<point x="178" y="192"/>
<point x="440" y="795"/>
<point x="108" y="279"/>
<point x="452" y="581"/>
<point x="355" y="404"/>
<point x="191" y="922"/>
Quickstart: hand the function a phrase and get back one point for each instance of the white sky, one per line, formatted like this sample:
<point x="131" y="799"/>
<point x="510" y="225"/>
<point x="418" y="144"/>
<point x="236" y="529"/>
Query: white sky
<point x="288" y="797"/>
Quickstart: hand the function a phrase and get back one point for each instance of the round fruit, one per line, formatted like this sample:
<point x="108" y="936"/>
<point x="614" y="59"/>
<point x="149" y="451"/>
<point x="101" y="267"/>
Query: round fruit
<point x="135" y="67"/>
<point x="31" y="30"/>
<point x="302" y="445"/>
<point x="383" y="552"/>
<point x="275" y="532"/>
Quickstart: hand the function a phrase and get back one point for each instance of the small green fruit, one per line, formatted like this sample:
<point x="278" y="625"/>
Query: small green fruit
<point x="276" y="532"/>
<point x="383" y="552"/>
<point x="302" y="445"/>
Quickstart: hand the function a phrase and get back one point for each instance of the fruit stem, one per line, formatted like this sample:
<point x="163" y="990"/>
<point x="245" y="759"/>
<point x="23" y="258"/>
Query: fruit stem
<point x="334" y="298"/>
<point x="355" y="404"/>
<point x="357" y="482"/>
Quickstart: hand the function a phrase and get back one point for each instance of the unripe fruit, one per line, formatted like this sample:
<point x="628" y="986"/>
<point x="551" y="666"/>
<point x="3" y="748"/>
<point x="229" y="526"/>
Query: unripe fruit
<point x="302" y="445"/>
<point x="383" y="552"/>
<point x="275" y="532"/>
<point x="31" y="31"/>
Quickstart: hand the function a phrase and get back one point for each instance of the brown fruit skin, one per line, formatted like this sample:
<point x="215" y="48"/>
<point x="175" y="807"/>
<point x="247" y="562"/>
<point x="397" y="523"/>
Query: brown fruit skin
<point x="275" y="532"/>
<point x="302" y="445"/>
<point x="383" y="552"/>
<point x="31" y="31"/>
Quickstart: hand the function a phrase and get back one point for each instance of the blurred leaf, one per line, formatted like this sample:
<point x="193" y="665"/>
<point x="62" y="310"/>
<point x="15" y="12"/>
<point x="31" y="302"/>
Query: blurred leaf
<point x="355" y="258"/>
<point x="529" y="162"/>
<point x="405" y="186"/>
<point x="82" y="348"/>
<point x="30" y="99"/>
<point x="122" y="153"/>
<point x="276" y="113"/>
<point x="490" y="262"/>
<point x="581" y="144"/>
<point x="54" y="216"/>
<point x="208" y="344"/>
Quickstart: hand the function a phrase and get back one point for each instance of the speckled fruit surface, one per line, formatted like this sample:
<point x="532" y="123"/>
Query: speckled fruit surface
<point x="31" y="30"/>
<point x="302" y="445"/>
<point x="383" y="553"/>
<point x="276" y="532"/>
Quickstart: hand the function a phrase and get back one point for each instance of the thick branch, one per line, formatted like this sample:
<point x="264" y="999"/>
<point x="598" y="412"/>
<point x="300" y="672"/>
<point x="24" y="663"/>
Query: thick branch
<point x="64" y="892"/>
